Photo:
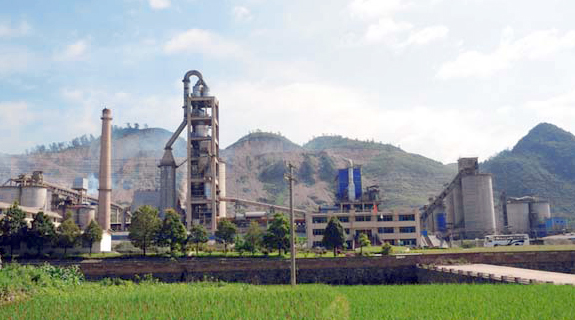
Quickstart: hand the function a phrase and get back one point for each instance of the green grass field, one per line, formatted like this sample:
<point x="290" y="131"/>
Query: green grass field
<point x="240" y="301"/>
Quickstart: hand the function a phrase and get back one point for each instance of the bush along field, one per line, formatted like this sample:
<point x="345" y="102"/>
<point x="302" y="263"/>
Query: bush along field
<point x="55" y="293"/>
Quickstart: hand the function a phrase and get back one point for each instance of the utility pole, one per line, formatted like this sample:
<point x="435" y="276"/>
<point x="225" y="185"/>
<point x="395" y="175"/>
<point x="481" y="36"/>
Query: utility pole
<point x="291" y="179"/>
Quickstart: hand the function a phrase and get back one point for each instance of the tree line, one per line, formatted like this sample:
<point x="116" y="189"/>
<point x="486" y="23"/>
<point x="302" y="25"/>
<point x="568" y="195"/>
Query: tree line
<point x="14" y="230"/>
<point x="82" y="141"/>
<point x="147" y="230"/>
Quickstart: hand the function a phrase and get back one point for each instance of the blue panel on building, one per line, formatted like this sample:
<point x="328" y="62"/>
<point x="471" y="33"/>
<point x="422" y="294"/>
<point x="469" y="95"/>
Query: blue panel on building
<point x="357" y="182"/>
<point x="555" y="223"/>
<point x="441" y="222"/>
<point x="541" y="230"/>
<point x="342" y="183"/>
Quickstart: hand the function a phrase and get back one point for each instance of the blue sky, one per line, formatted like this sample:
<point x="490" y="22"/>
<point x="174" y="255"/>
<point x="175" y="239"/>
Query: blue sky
<point x="442" y="78"/>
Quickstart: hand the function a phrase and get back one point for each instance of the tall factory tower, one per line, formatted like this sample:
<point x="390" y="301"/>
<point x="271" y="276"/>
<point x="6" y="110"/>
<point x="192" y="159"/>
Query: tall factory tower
<point x="205" y="171"/>
<point x="105" y="186"/>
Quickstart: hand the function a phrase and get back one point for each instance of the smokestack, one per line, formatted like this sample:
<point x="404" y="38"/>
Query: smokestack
<point x="105" y="188"/>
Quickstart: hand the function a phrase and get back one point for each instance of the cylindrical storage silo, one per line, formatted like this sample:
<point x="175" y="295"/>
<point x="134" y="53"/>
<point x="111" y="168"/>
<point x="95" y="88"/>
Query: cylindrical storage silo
<point x="34" y="197"/>
<point x="479" y="212"/>
<point x="458" y="221"/>
<point x="542" y="211"/>
<point x="9" y="194"/>
<point x="85" y="215"/>
<point x="222" y="185"/>
<point x="518" y="217"/>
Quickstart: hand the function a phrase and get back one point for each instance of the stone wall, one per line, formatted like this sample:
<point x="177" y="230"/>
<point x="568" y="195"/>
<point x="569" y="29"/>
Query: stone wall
<point x="356" y="270"/>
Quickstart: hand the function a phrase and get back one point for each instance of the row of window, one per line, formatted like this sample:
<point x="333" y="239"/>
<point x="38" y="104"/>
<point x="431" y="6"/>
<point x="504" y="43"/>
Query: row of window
<point x="392" y="230"/>
<point x="402" y="217"/>
<point x="401" y="242"/>
<point x="321" y="232"/>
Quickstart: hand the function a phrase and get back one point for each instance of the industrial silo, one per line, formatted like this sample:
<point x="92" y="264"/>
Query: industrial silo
<point x="85" y="215"/>
<point x="518" y="217"/>
<point x="34" y="197"/>
<point x="458" y="217"/>
<point x="542" y="211"/>
<point x="9" y="194"/>
<point x="478" y="206"/>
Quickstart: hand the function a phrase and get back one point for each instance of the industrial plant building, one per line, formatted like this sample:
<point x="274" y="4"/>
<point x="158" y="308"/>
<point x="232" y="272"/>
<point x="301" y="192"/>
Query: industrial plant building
<point x="528" y="215"/>
<point x="33" y="194"/>
<point x="205" y="174"/>
<point x="359" y="211"/>
<point x="465" y="209"/>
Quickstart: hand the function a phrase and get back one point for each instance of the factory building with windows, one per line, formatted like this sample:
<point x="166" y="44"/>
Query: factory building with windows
<point x="359" y="212"/>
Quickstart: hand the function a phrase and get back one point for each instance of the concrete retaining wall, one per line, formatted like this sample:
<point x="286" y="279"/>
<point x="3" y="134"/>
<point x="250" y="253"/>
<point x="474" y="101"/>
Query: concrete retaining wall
<point x="357" y="270"/>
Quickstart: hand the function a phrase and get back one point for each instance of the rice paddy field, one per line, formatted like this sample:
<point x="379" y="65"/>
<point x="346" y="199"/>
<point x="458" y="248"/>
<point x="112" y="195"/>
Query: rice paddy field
<point x="241" y="301"/>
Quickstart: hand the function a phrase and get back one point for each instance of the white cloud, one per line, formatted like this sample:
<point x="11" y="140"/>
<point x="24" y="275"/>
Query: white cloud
<point x="370" y="9"/>
<point x="202" y="42"/>
<point x="538" y="45"/>
<point x="241" y="14"/>
<point x="9" y="31"/>
<point x="349" y="112"/>
<point x="73" y="52"/>
<point x="385" y="28"/>
<point x="427" y="35"/>
<point x="559" y="110"/>
<point x="159" y="4"/>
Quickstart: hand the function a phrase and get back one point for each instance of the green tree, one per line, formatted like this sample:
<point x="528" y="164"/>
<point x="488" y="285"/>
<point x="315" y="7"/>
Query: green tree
<point x="253" y="238"/>
<point x="334" y="236"/>
<point x="240" y="245"/>
<point x="226" y="233"/>
<point x="13" y="227"/>
<point x="92" y="234"/>
<point x="363" y="242"/>
<point x="277" y="235"/>
<point x="41" y="233"/>
<point x="144" y="227"/>
<point x="68" y="233"/>
<point x="172" y="232"/>
<point x="198" y="236"/>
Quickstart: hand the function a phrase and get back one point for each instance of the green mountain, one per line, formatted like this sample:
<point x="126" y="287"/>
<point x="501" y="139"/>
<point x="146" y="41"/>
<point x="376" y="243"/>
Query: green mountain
<point x="541" y="164"/>
<point x="405" y="179"/>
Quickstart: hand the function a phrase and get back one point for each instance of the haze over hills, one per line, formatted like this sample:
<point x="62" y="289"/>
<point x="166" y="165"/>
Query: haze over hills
<point x="540" y="164"/>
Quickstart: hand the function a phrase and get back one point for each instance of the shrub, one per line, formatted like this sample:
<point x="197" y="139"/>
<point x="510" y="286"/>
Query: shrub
<point x="386" y="249"/>
<point x="18" y="281"/>
<point x="115" y="282"/>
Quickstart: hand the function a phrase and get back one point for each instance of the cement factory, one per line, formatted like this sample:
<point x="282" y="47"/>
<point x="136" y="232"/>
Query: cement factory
<point x="465" y="209"/>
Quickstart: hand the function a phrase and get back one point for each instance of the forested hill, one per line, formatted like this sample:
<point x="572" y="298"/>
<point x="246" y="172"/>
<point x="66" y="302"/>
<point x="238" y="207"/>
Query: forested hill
<point x="541" y="164"/>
